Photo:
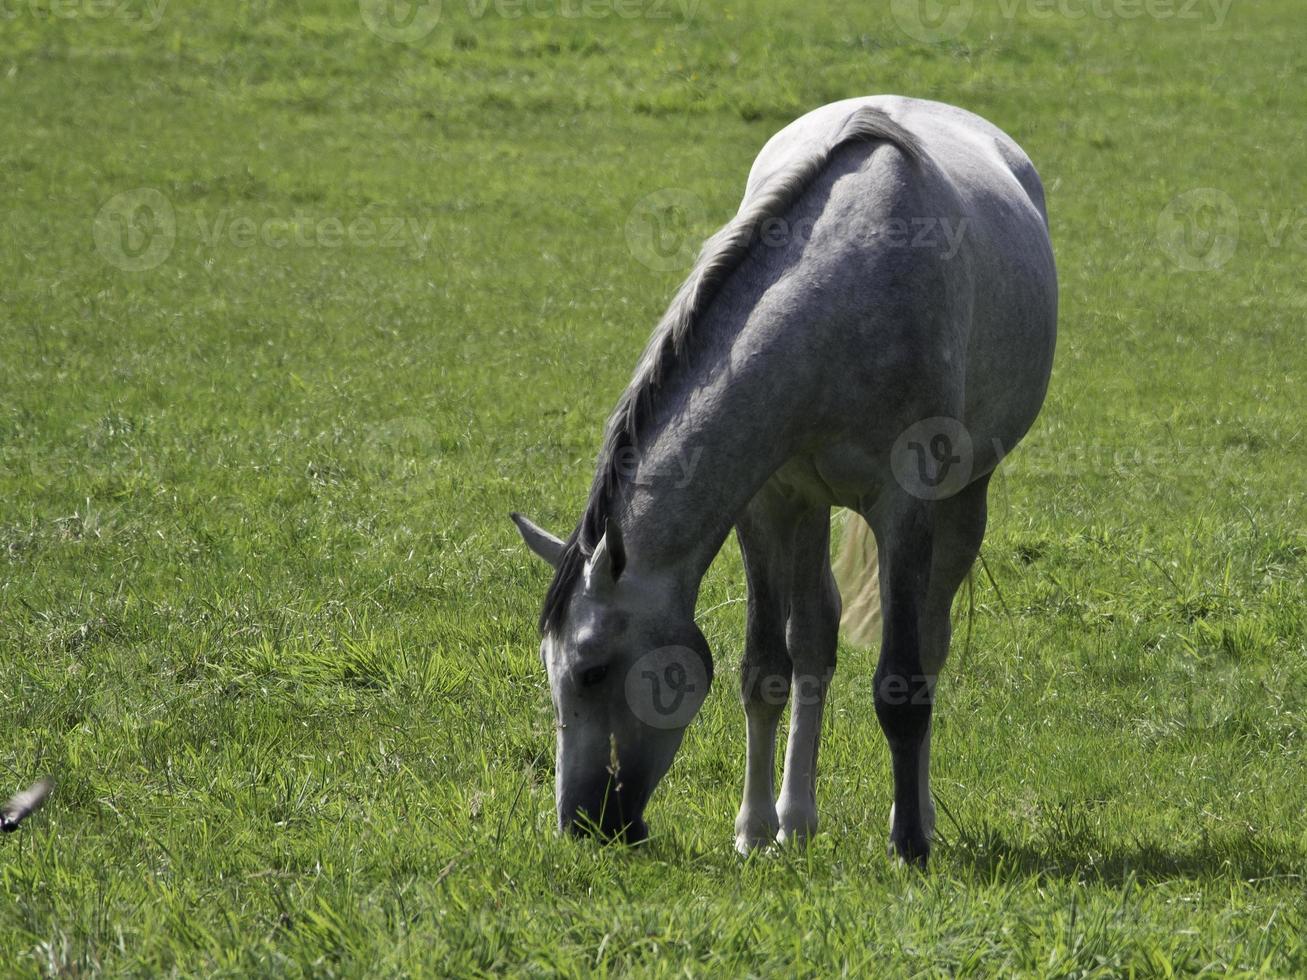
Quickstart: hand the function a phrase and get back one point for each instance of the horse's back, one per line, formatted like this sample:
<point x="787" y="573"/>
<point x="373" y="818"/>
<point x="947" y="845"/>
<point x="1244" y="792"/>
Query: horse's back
<point x="937" y="287"/>
<point x="968" y="148"/>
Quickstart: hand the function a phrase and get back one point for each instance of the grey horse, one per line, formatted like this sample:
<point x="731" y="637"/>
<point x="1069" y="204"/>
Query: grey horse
<point x="874" y="330"/>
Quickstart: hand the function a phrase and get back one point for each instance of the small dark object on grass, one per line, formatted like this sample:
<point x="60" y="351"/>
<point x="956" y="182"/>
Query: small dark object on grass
<point x="23" y="805"/>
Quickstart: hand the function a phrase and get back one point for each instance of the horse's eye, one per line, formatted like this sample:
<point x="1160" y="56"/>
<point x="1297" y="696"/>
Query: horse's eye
<point x="594" y="675"/>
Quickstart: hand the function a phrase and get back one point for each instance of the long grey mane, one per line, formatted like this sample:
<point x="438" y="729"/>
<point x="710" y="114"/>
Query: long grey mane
<point x="720" y="256"/>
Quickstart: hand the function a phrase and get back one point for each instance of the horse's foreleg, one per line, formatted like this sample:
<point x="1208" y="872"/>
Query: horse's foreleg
<point x="765" y="536"/>
<point x="811" y="635"/>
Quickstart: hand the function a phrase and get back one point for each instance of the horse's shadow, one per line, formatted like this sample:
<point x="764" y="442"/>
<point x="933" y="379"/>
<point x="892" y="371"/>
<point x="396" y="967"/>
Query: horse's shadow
<point x="1089" y="858"/>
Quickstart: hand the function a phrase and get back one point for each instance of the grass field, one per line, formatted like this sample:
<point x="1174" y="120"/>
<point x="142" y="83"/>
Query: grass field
<point x="297" y="302"/>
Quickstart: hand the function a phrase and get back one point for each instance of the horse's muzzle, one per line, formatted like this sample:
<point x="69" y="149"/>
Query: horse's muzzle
<point x="611" y="811"/>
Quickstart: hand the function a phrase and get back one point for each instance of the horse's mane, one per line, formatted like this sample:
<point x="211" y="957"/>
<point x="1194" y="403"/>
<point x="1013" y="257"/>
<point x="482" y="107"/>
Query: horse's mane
<point x="720" y="256"/>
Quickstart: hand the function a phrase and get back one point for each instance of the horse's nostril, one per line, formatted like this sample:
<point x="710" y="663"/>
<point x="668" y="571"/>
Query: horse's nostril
<point x="635" y="832"/>
<point x="608" y="831"/>
<point x="578" y="828"/>
<point x="611" y="817"/>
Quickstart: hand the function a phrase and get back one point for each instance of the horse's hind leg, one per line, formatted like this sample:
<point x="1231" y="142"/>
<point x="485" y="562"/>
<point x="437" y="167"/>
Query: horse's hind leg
<point x="812" y="635"/>
<point x="766" y="534"/>
<point x="903" y="691"/>
<point x="959" y="527"/>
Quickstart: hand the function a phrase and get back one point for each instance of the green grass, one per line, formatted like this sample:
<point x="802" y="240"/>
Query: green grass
<point x="263" y="616"/>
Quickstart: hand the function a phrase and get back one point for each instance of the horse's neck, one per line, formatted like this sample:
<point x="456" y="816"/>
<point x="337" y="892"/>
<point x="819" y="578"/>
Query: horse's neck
<point x="720" y="429"/>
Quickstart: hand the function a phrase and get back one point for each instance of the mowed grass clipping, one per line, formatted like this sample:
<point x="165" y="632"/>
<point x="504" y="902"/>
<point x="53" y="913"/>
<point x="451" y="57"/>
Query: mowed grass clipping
<point x="263" y="615"/>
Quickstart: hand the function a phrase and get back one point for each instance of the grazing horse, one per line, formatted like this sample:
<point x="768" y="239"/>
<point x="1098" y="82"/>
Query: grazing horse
<point x="873" y="330"/>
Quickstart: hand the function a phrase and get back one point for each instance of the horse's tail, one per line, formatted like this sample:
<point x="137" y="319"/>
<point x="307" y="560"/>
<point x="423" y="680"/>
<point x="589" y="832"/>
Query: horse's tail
<point x="857" y="574"/>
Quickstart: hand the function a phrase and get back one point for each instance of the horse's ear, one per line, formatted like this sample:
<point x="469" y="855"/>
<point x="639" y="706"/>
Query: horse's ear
<point x="609" y="555"/>
<point x="539" y="540"/>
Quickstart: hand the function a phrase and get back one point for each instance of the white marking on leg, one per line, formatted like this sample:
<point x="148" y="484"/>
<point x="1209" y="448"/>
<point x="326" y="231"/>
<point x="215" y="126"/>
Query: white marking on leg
<point x="757" y="823"/>
<point x="797" y="806"/>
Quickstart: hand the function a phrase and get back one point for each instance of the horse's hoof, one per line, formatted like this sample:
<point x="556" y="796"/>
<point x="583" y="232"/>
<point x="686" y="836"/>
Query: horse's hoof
<point x="746" y="844"/>
<point x="754" y="832"/>
<point x="911" y="851"/>
<point x="798" y="822"/>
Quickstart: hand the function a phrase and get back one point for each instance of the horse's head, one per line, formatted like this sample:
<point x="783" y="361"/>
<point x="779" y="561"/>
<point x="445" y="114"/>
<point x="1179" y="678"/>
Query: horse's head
<point x="628" y="670"/>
